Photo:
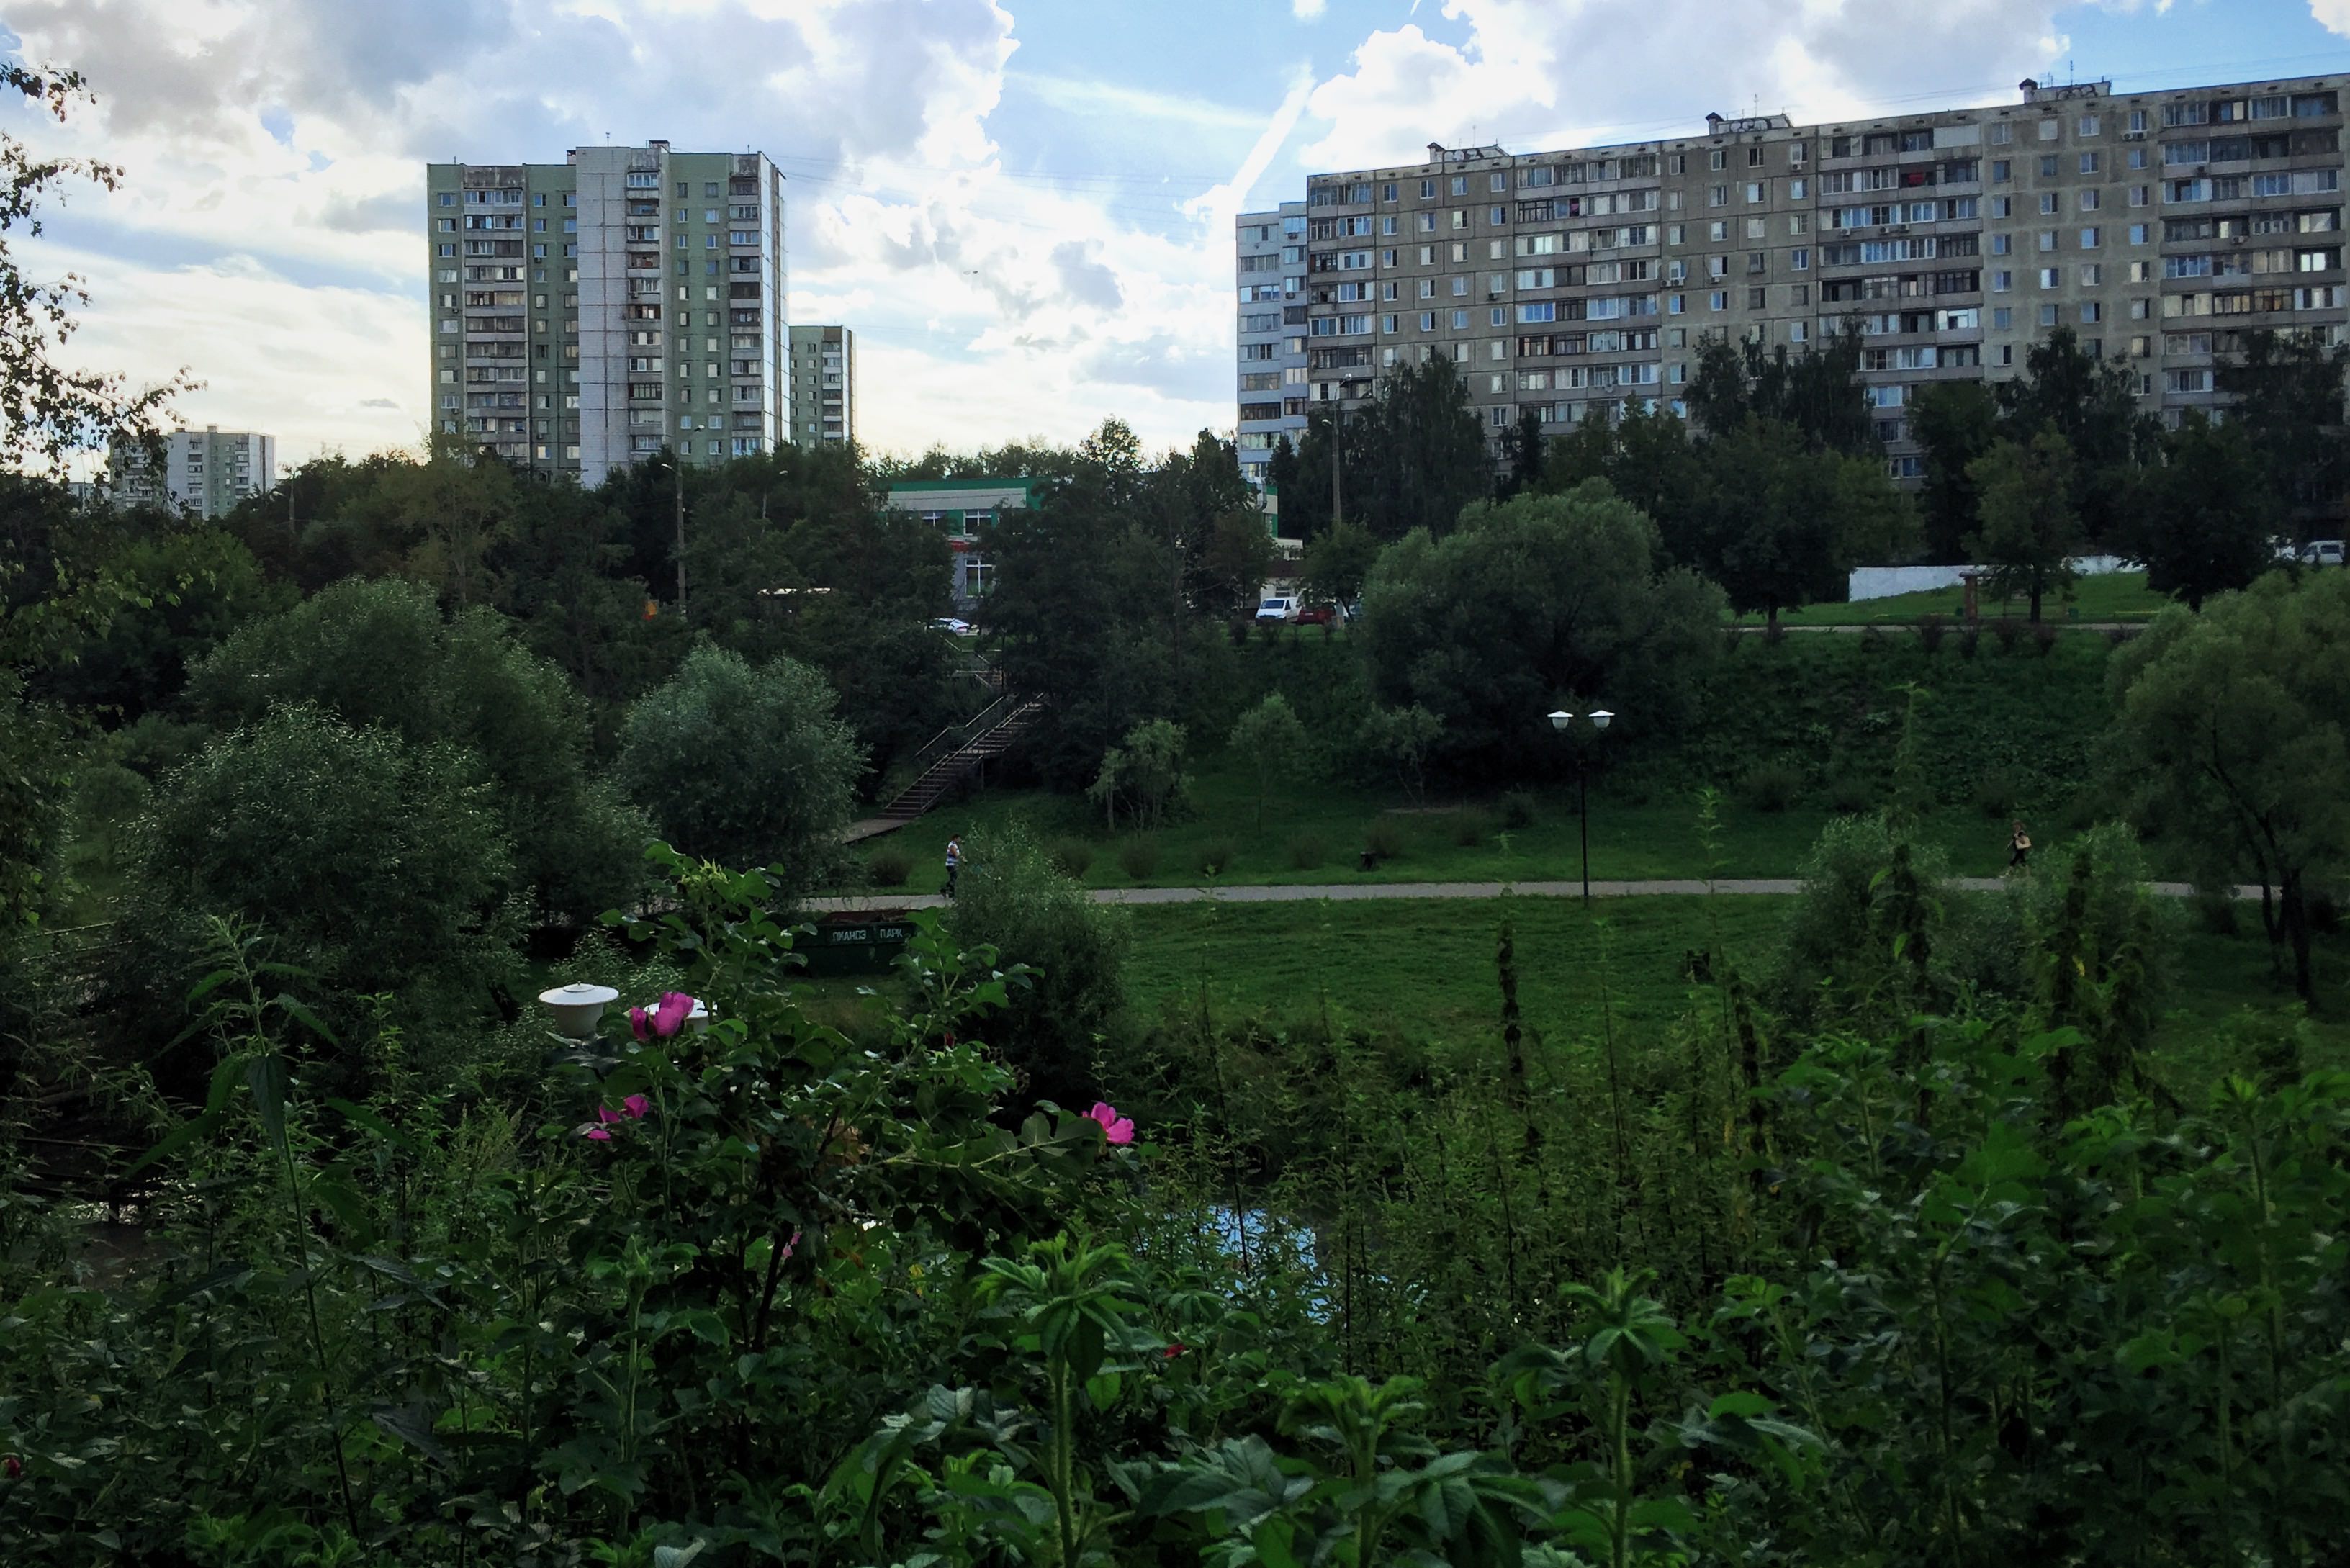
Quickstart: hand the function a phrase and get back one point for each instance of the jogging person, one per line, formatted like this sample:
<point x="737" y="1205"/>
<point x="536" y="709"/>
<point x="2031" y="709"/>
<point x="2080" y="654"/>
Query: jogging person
<point x="954" y="863"/>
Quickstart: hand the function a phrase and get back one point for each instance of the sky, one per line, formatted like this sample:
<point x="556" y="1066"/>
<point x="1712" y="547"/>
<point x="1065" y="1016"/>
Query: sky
<point x="1024" y="208"/>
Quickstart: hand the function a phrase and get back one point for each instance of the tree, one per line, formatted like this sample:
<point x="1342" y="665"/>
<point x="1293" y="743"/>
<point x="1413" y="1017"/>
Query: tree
<point x="1532" y="602"/>
<point x="183" y="590"/>
<point x="1647" y="457"/>
<point x="1402" y="739"/>
<point x="1273" y="739"/>
<point x="2065" y="391"/>
<point x="2288" y="392"/>
<point x="1415" y="454"/>
<point x="745" y="764"/>
<point x="1078" y="616"/>
<point x="1818" y="392"/>
<point x="1521" y="455"/>
<point x="380" y="652"/>
<point x="50" y="410"/>
<point x="1787" y="521"/>
<point x="1338" y="561"/>
<point x="1954" y="422"/>
<point x="2205" y="513"/>
<point x="372" y="862"/>
<point x="1012" y="900"/>
<point x="2231" y="741"/>
<point x="2028" y="529"/>
<point x="1144" y="772"/>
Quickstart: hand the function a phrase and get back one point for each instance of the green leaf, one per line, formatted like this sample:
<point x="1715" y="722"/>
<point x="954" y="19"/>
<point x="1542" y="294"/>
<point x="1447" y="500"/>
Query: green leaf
<point x="359" y="1116"/>
<point x="172" y="1142"/>
<point x="266" y="1077"/>
<point x="678" y="1556"/>
<point x="300" y="1013"/>
<point x="1102" y="1390"/>
<point x="342" y="1200"/>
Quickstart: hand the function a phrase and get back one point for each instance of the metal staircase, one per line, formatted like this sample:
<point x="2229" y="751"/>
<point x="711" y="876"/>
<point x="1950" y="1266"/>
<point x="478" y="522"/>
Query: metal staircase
<point x="952" y="754"/>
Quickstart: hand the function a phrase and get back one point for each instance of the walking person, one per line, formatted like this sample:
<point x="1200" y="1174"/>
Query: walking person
<point x="2019" y="847"/>
<point x="954" y="863"/>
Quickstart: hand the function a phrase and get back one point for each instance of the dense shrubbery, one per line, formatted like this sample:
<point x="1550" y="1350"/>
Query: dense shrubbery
<point x="745" y="764"/>
<point x="1917" y="1287"/>
<point x="381" y="654"/>
<point x="1015" y="902"/>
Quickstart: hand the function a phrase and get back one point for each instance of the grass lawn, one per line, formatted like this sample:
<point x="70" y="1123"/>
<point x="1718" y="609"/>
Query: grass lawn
<point x="1314" y="832"/>
<point x="1430" y="966"/>
<point x="2116" y="596"/>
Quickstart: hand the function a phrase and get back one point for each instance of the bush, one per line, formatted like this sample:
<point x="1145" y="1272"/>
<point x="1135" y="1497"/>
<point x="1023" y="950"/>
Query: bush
<point x="1015" y="902"/>
<point x="1851" y="794"/>
<point x="744" y="764"/>
<point x="1970" y="641"/>
<point x="1072" y="858"/>
<point x="378" y="652"/>
<point x="2119" y="635"/>
<point x="371" y="862"/>
<point x="1844" y="924"/>
<point x="889" y="868"/>
<point x="2044" y="638"/>
<point x="1771" y="786"/>
<point x="1872" y="639"/>
<point x="1518" y="809"/>
<point x="1139" y="858"/>
<point x="1995" y="795"/>
<point x="1216" y="856"/>
<point x="1307" y="850"/>
<point x="1931" y="629"/>
<point x="1470" y="828"/>
<point x="1384" y="839"/>
<point x="2007" y="629"/>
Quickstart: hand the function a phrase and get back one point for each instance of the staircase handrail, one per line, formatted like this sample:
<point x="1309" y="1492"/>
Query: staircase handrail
<point x="954" y="737"/>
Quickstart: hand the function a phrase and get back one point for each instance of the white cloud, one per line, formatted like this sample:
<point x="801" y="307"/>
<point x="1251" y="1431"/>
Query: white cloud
<point x="1536" y="73"/>
<point x="268" y="233"/>
<point x="2334" y="16"/>
<point x="1307" y="10"/>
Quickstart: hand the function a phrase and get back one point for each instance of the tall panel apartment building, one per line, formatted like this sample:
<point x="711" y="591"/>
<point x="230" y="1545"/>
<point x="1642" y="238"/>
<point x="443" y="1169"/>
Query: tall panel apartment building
<point x="2162" y="227"/>
<point x="824" y="386"/>
<point x="204" y="471"/>
<point x="589" y="313"/>
<point x="1273" y="389"/>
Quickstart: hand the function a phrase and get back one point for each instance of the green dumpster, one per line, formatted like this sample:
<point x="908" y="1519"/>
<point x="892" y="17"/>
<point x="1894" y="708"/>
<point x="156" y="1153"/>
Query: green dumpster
<point x="861" y="941"/>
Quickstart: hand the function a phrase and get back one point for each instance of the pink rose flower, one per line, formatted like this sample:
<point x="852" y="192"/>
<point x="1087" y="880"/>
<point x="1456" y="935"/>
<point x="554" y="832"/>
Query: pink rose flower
<point x="1117" y="1128"/>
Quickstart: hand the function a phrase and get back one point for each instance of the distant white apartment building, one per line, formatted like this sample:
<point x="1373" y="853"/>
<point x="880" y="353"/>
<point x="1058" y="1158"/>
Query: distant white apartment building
<point x="206" y="471"/>
<point x="1271" y="258"/>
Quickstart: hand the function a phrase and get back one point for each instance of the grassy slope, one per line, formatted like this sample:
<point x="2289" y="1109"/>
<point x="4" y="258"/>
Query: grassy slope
<point x="2114" y="595"/>
<point x="1998" y="724"/>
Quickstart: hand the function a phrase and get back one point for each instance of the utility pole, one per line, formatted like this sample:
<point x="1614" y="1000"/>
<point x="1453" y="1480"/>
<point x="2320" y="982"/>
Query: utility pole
<point x="1338" y="447"/>
<point x="678" y="459"/>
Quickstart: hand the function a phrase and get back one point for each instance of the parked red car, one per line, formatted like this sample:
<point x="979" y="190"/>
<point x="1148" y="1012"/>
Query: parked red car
<point x="1317" y="615"/>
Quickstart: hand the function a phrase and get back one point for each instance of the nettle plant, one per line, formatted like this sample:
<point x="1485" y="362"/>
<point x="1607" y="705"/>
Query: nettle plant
<point x="620" y="1315"/>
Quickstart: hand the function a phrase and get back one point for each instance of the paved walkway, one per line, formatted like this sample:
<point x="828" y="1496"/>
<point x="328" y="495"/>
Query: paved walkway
<point x="1308" y="893"/>
<point x="1952" y="627"/>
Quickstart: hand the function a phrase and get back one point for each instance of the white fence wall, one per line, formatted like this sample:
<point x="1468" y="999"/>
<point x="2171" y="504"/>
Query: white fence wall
<point x="1885" y="582"/>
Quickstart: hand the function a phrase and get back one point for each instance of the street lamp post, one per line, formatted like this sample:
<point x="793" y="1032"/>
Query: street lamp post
<point x="1564" y="723"/>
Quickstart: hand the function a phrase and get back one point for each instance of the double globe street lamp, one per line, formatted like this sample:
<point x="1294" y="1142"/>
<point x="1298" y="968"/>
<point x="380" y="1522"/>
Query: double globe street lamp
<point x="1564" y="723"/>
